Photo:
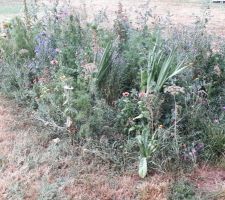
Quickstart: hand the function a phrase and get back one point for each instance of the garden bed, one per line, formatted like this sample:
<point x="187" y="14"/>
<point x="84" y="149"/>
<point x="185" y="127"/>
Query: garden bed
<point x="111" y="100"/>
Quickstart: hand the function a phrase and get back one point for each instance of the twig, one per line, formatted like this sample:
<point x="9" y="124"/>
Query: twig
<point x="50" y="124"/>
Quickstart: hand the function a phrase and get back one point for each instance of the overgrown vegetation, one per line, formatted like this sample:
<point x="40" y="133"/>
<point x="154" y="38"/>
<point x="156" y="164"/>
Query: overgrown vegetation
<point x="145" y="91"/>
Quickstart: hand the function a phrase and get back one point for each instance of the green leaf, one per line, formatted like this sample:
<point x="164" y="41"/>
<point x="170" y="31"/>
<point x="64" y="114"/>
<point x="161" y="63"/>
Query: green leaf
<point x="139" y="139"/>
<point x="105" y="64"/>
<point x="139" y="117"/>
<point x="143" y="167"/>
<point x="162" y="67"/>
<point x="133" y="128"/>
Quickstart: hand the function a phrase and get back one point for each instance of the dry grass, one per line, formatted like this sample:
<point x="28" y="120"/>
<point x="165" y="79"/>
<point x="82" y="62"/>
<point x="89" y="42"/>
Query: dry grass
<point x="154" y="189"/>
<point x="210" y="179"/>
<point x="180" y="11"/>
<point x="34" y="167"/>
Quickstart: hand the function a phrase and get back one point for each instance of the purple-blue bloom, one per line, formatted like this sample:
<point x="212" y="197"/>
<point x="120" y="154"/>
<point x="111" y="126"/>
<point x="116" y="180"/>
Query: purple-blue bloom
<point x="44" y="50"/>
<point x="199" y="147"/>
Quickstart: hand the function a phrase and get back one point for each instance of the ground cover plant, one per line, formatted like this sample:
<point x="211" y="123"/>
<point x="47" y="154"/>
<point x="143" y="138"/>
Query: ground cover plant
<point x="149" y="99"/>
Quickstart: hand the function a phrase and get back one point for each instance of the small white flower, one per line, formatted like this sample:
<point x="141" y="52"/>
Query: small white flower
<point x="58" y="50"/>
<point x="56" y="140"/>
<point x="23" y="51"/>
<point x="66" y="87"/>
<point x="3" y="35"/>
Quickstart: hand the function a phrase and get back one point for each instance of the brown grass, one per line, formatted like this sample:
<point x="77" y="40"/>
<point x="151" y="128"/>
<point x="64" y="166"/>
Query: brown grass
<point x="181" y="12"/>
<point x="33" y="166"/>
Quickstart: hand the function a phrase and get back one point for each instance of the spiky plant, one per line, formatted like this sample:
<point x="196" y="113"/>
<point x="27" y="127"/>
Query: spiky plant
<point x="105" y="65"/>
<point x="108" y="79"/>
<point x="162" y="67"/>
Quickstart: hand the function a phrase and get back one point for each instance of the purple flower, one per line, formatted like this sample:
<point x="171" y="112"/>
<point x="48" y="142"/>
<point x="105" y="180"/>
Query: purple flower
<point x="224" y="108"/>
<point x="44" y="49"/>
<point x="199" y="147"/>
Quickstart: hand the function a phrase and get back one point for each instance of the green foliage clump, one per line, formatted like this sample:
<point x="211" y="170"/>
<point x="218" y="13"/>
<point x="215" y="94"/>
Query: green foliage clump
<point x="183" y="190"/>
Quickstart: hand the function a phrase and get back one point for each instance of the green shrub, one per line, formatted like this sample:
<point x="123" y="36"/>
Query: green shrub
<point x="214" y="140"/>
<point x="183" y="190"/>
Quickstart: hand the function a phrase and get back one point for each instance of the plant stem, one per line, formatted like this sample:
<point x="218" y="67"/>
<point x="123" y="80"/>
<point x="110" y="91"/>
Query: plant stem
<point x="175" y="125"/>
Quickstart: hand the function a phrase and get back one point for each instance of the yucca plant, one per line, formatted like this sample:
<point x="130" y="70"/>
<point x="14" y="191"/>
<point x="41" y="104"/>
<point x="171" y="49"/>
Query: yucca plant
<point x="110" y="71"/>
<point x="161" y="68"/>
<point x="105" y="65"/>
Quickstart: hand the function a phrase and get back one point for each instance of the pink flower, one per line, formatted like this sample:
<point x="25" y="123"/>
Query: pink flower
<point x="35" y="80"/>
<point x="126" y="94"/>
<point x="142" y="94"/>
<point x="41" y="80"/>
<point x="54" y="62"/>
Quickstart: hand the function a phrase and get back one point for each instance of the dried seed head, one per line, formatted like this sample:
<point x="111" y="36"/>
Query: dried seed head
<point x="217" y="70"/>
<point x="174" y="90"/>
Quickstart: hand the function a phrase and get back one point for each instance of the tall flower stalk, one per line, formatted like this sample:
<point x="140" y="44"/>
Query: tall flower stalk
<point x="26" y="13"/>
<point x="69" y="112"/>
<point x="175" y="90"/>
